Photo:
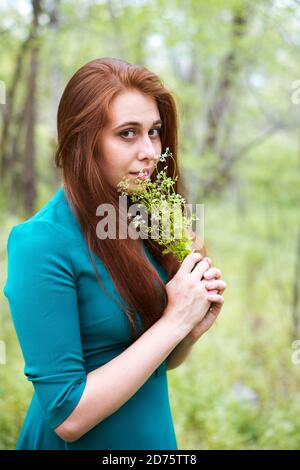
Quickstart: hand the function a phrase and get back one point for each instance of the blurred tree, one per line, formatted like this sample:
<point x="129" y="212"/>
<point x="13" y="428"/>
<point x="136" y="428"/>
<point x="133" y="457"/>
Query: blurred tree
<point x="18" y="156"/>
<point x="8" y="140"/>
<point x="29" y="173"/>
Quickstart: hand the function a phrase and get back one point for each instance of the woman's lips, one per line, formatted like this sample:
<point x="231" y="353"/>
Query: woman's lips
<point x="143" y="175"/>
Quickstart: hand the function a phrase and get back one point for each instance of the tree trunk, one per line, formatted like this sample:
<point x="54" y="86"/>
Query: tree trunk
<point x="29" y="177"/>
<point x="55" y="90"/>
<point x="218" y="132"/>
<point x="6" y="156"/>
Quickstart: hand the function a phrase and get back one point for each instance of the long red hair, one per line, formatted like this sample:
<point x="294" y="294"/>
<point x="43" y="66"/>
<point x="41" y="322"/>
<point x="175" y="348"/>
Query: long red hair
<point x="82" y="114"/>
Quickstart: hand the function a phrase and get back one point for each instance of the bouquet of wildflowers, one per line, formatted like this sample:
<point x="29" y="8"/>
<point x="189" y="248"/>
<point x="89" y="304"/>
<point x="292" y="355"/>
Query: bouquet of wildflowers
<point x="169" y="225"/>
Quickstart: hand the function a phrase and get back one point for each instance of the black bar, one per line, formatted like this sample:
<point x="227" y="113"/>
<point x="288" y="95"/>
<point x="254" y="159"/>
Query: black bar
<point x="135" y="458"/>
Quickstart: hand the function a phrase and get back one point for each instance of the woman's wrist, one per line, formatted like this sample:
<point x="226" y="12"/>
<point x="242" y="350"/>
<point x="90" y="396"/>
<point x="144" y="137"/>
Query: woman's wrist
<point x="188" y="341"/>
<point x="173" y="326"/>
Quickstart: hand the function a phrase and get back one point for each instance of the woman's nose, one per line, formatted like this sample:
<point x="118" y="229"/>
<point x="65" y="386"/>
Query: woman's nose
<point x="147" y="150"/>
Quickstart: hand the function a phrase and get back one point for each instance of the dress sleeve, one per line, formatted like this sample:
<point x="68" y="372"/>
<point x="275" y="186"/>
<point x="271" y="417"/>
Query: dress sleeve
<point x="41" y="290"/>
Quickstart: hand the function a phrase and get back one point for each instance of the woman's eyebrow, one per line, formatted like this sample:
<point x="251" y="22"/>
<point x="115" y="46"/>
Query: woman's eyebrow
<point x="135" y="123"/>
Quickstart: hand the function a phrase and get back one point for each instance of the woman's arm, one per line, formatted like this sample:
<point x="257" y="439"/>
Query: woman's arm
<point x="180" y="353"/>
<point x="182" y="350"/>
<point x="41" y="289"/>
<point x="110" y="386"/>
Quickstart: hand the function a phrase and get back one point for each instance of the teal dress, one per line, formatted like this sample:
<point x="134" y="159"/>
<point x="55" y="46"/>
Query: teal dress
<point x="67" y="326"/>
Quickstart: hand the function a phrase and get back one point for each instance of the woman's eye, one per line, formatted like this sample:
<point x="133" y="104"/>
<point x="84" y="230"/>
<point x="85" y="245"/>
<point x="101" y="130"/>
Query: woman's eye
<point x="125" y="132"/>
<point x="158" y="129"/>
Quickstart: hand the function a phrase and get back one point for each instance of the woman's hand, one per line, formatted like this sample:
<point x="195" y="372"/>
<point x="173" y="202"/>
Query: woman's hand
<point x="187" y="296"/>
<point x="215" y="286"/>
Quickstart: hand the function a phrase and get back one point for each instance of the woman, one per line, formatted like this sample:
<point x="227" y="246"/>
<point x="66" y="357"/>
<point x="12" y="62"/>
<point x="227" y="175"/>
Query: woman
<point x="97" y="366"/>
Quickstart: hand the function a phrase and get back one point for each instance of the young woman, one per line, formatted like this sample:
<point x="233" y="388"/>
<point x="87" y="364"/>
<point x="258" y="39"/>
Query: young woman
<point x="100" y="321"/>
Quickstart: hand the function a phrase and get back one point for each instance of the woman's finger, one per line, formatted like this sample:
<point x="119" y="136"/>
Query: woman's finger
<point x="189" y="263"/>
<point x="218" y="284"/>
<point x="212" y="272"/>
<point x="218" y="298"/>
<point x="201" y="268"/>
<point x="214" y="291"/>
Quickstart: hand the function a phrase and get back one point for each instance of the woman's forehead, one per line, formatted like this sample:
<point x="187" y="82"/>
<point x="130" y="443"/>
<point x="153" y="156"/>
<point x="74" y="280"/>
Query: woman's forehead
<point x="133" y="107"/>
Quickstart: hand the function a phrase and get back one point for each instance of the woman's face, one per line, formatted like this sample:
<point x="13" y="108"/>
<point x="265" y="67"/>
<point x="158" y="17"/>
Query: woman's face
<point x="131" y="140"/>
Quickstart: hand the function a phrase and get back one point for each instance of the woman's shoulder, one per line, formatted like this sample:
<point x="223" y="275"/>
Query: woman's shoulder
<point x="37" y="250"/>
<point x="53" y="225"/>
<point x="35" y="245"/>
<point x="34" y="233"/>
